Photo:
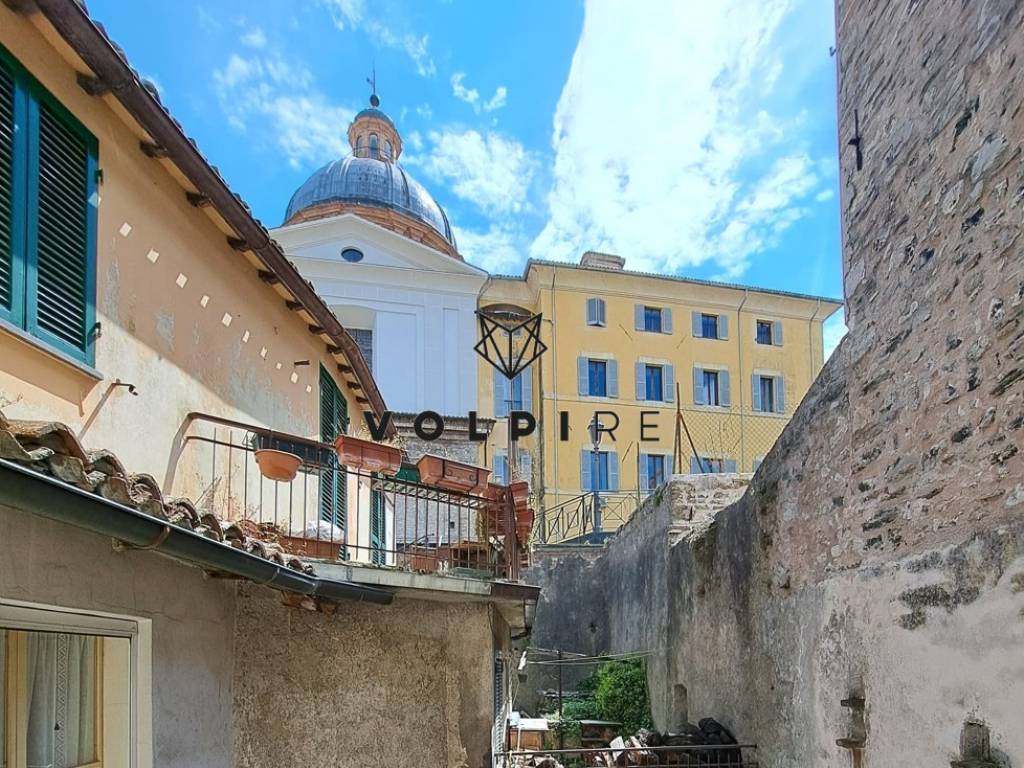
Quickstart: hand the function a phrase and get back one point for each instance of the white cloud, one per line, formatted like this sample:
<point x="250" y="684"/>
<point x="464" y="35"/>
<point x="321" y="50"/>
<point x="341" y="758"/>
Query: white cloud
<point x="415" y="140"/>
<point x="491" y="171"/>
<point x="254" y="38"/>
<point x="497" y="101"/>
<point x="424" y="111"/>
<point x="256" y="90"/>
<point x="472" y="96"/>
<point x="677" y="159"/>
<point x="499" y="250"/>
<point x="351" y="14"/>
<point x="825" y="194"/>
<point x="461" y="92"/>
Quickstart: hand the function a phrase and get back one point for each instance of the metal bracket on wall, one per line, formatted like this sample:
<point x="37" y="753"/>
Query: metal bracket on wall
<point x="855" y="142"/>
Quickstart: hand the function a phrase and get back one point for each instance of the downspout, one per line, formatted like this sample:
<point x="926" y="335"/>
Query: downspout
<point x="47" y="497"/>
<point x="554" y="383"/>
<point x="742" y="386"/>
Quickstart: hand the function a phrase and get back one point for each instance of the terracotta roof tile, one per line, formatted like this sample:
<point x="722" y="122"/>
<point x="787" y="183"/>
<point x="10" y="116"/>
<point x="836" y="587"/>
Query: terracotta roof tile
<point x="51" y="448"/>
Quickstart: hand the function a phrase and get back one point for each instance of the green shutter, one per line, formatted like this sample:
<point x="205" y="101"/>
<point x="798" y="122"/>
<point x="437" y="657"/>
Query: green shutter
<point x="62" y="242"/>
<point x="333" y="422"/>
<point x="6" y="190"/>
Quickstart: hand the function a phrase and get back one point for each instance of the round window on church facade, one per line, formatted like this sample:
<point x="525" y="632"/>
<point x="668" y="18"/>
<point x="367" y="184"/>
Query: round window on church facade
<point x="352" y="254"/>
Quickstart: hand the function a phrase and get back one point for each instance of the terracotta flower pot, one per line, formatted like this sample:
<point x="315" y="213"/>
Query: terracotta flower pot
<point x="520" y="492"/>
<point x="278" y="465"/>
<point x="453" y="475"/>
<point x="367" y="455"/>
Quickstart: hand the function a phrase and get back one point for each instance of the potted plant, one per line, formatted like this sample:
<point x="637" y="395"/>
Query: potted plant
<point x="453" y="475"/>
<point x="367" y="455"/>
<point x="281" y="466"/>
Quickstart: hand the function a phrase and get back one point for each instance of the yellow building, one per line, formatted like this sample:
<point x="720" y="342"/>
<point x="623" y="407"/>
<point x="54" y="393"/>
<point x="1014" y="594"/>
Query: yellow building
<point x="637" y="348"/>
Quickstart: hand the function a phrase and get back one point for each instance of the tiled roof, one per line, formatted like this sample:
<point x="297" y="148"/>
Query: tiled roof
<point x="51" y="448"/>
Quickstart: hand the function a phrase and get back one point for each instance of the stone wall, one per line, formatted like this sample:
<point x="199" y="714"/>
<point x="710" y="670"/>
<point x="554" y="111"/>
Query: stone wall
<point x="403" y="685"/>
<point x="615" y="598"/>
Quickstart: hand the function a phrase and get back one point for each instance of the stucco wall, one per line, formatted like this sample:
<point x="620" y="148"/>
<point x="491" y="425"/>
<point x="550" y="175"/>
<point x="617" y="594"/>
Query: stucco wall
<point x="403" y="685"/>
<point x="192" y="618"/>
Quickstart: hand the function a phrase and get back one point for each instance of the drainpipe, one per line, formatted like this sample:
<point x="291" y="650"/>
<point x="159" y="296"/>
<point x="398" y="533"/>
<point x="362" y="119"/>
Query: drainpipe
<point x="42" y="495"/>
<point x="554" y="383"/>
<point x="742" y="386"/>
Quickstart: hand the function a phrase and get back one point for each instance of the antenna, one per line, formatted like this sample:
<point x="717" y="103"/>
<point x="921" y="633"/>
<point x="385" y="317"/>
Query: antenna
<point x="372" y="82"/>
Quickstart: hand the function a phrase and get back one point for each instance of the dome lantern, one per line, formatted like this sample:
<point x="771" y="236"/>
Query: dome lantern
<point x="372" y="134"/>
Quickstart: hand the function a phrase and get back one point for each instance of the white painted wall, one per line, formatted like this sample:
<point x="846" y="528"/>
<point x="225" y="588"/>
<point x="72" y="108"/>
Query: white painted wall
<point x="419" y="303"/>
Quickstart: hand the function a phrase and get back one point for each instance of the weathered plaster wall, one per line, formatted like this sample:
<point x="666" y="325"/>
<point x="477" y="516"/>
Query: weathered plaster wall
<point x="403" y="685"/>
<point x="193" y="624"/>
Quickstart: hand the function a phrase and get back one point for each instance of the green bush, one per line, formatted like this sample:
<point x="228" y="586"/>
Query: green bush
<point x="621" y="694"/>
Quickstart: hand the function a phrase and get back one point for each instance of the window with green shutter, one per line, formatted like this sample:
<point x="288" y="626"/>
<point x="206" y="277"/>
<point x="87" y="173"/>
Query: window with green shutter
<point x="333" y="422"/>
<point x="48" y="203"/>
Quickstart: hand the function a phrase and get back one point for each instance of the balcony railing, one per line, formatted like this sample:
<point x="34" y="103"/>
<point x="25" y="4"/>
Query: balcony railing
<point x="704" y="756"/>
<point x="336" y="513"/>
<point x="589" y="518"/>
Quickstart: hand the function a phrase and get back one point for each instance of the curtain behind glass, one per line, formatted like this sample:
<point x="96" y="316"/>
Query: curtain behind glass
<point x="61" y="698"/>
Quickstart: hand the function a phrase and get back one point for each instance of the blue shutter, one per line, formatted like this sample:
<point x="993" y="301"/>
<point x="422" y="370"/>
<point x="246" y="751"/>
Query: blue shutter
<point x="638" y="316"/>
<point x="780" y="395"/>
<point x="694" y="466"/>
<point x="730" y="465"/>
<point x="585" y="466"/>
<point x="666" y="320"/>
<point x="755" y="392"/>
<point x="602" y="318"/>
<point x="723" y="388"/>
<point x="645" y="484"/>
<point x="501" y="392"/>
<point x="669" y="383"/>
<point x="527" y="375"/>
<point x="698" y="325"/>
<point x="641" y="383"/>
<point x="582" y="376"/>
<point x="777" y="333"/>
<point x="700" y="396"/>
<point x="613" y="471"/>
<point x="723" y="327"/>
<point x="591" y="311"/>
<point x="613" y="378"/>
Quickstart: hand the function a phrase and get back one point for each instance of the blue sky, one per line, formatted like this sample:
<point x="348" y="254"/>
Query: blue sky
<point x="689" y="137"/>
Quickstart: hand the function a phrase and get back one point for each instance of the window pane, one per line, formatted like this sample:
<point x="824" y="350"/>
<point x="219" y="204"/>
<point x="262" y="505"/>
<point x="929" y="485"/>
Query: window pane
<point x="599" y="471"/>
<point x="764" y="332"/>
<point x="61" y="693"/>
<point x="652" y="319"/>
<point x="517" y="393"/>
<point x="709" y="326"/>
<point x="711" y="387"/>
<point x="655" y="471"/>
<point x="767" y="394"/>
<point x="598" y="370"/>
<point x="653" y="381"/>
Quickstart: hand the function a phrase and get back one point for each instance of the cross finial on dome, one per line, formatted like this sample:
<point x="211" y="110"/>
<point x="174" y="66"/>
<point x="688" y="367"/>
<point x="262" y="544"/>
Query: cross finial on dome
<point x="372" y="81"/>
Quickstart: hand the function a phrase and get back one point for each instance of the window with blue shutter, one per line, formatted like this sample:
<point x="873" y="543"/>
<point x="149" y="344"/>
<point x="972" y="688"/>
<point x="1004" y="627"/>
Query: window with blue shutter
<point x="501" y="469"/>
<point x="654" y="384"/>
<point x="652" y="471"/>
<point x="47" y="216"/>
<point x="599" y="471"/>
<point x="595" y="312"/>
<point x="597" y="378"/>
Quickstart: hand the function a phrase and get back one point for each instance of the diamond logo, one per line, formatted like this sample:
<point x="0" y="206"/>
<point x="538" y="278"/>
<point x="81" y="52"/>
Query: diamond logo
<point x="509" y="340"/>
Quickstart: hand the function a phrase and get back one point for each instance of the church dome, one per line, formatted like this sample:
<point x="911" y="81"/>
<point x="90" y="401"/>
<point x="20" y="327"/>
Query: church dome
<point x="371" y="183"/>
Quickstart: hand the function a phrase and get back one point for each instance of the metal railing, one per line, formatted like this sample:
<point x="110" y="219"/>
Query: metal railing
<point x="337" y="513"/>
<point x="589" y="518"/>
<point x="691" y="756"/>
